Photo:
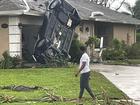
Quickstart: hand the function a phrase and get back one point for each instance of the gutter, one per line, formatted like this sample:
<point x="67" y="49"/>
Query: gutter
<point x="18" y="12"/>
<point x="12" y="12"/>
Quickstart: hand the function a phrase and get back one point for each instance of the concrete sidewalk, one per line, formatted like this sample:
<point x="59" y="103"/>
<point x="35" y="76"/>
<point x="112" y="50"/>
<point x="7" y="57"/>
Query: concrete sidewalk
<point x="126" y="78"/>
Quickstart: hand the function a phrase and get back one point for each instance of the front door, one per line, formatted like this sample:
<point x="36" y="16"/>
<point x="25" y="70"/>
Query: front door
<point x="104" y="30"/>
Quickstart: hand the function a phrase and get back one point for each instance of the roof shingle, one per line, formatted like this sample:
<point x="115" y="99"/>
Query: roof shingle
<point x="84" y="7"/>
<point x="7" y="5"/>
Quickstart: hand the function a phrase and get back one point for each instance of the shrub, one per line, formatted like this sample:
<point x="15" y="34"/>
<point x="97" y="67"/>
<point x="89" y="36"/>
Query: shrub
<point x="116" y="51"/>
<point x="120" y="51"/>
<point x="75" y="52"/>
<point x="134" y="51"/>
<point x="58" y="61"/>
<point x="9" y="62"/>
<point x="93" y="41"/>
<point x="113" y="54"/>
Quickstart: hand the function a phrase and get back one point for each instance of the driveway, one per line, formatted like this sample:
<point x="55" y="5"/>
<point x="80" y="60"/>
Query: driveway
<point x="126" y="78"/>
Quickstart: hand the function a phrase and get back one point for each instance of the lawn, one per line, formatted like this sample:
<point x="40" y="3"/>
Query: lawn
<point x="134" y="62"/>
<point x="60" y="81"/>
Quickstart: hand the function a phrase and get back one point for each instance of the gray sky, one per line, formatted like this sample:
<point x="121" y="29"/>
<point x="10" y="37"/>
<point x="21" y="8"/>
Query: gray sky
<point x="131" y="1"/>
<point x="116" y="4"/>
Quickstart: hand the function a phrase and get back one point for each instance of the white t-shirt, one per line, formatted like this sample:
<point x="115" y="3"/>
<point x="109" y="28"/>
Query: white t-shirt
<point x="85" y="58"/>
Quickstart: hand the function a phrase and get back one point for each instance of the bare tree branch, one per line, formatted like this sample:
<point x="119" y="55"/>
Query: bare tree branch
<point x="105" y="3"/>
<point x="108" y="3"/>
<point x="129" y="8"/>
<point x="120" y="5"/>
<point x="111" y="2"/>
<point x="101" y="2"/>
<point x="96" y="1"/>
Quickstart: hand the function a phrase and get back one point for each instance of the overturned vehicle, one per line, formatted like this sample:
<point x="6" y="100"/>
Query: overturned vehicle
<point x="56" y="32"/>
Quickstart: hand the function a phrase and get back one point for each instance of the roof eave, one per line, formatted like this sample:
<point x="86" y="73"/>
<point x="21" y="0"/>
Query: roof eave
<point x="18" y="12"/>
<point x="33" y="14"/>
<point x="12" y="12"/>
<point x="103" y="20"/>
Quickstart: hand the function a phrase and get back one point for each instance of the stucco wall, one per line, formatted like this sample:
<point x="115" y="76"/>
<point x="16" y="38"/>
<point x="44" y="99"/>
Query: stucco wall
<point x="82" y="31"/>
<point x="4" y="39"/>
<point x="121" y="32"/>
<point x="125" y="33"/>
<point x="6" y="33"/>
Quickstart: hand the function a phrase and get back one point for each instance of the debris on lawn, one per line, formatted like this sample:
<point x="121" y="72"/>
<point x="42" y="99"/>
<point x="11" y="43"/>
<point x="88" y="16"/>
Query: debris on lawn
<point x="6" y="99"/>
<point x="21" y="88"/>
<point x="48" y="97"/>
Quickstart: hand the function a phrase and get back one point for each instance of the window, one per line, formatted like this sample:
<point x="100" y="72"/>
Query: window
<point x="81" y="28"/>
<point x="87" y="29"/>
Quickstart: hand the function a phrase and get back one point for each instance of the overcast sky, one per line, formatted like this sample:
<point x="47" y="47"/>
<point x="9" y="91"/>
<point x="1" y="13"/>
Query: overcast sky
<point x="131" y="1"/>
<point x="116" y="4"/>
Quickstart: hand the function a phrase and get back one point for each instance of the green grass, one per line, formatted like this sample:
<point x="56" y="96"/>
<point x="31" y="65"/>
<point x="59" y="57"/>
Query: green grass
<point x="60" y="80"/>
<point x="123" y="62"/>
<point x="134" y="61"/>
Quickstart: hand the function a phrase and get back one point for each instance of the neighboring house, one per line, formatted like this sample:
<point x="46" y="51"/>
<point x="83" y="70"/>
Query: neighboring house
<point x="21" y="19"/>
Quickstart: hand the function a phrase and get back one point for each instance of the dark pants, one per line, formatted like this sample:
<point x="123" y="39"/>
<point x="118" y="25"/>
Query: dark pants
<point x="84" y="84"/>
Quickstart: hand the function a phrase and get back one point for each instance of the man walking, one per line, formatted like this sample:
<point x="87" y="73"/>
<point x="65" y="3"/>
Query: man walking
<point x="84" y="71"/>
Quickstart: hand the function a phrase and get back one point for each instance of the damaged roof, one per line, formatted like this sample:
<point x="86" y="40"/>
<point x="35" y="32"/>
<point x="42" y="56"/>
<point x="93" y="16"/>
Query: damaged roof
<point x="6" y="5"/>
<point x="86" y="9"/>
<point x="35" y="6"/>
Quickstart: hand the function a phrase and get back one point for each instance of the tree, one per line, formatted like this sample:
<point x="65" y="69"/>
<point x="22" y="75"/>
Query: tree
<point x="137" y="9"/>
<point x="129" y="8"/>
<point x="109" y="3"/>
<point x="106" y="3"/>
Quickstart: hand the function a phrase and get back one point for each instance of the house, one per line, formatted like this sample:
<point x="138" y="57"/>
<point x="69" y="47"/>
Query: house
<point x="21" y="19"/>
<point x="19" y="24"/>
<point x="104" y="22"/>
